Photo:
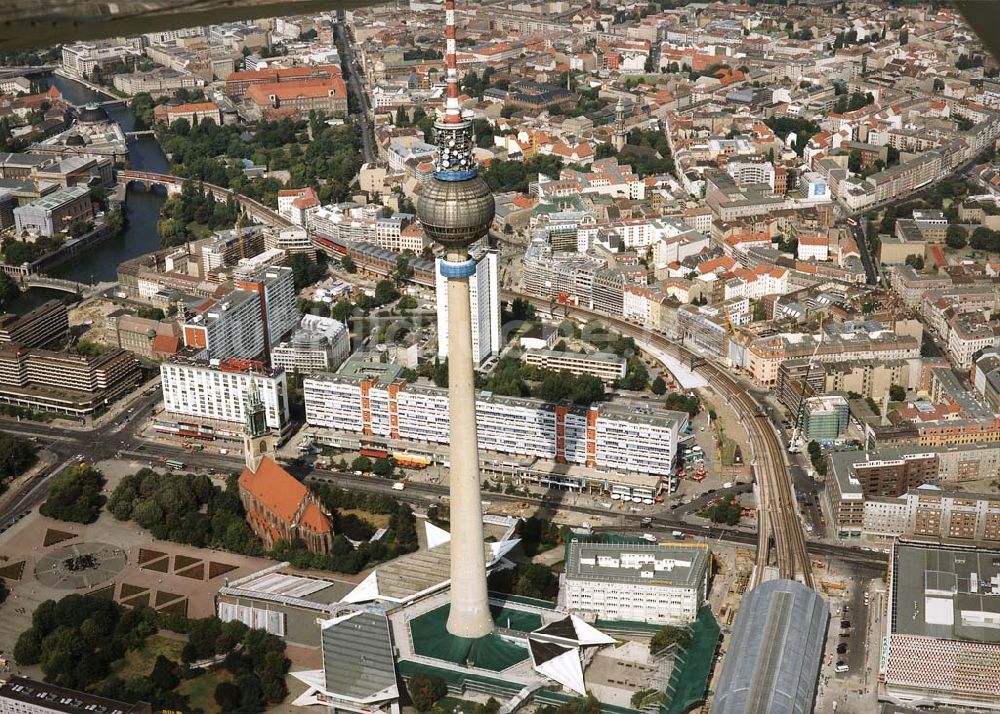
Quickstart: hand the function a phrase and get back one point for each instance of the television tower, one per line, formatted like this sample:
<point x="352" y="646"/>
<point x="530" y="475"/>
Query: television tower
<point x="456" y="208"/>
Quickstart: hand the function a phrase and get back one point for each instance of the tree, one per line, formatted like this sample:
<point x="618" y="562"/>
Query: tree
<point x="227" y="696"/>
<point x="897" y="393"/>
<point x="150" y="313"/>
<point x="854" y="161"/>
<point x="425" y="690"/>
<point x="347" y="263"/>
<point x="659" y="386"/>
<point x="441" y="374"/>
<point x="75" y="495"/>
<point x="669" y="635"/>
<point x="956" y="236"/>
<point x="164" y="674"/>
<point x="916" y="260"/>
<point x="534" y="580"/>
<point x="385" y="292"/>
<point x="342" y="310"/>
<point x="361" y="463"/>
<point x="304" y="271"/>
<point x="522" y="310"/>
<point x="403" y="271"/>
<point x="9" y="292"/>
<point x="383" y="467"/>
<point x="683" y="403"/>
<point x="16" y="455"/>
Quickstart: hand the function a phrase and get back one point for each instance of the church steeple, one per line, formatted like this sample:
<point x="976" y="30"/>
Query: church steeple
<point x="257" y="439"/>
<point x="620" y="134"/>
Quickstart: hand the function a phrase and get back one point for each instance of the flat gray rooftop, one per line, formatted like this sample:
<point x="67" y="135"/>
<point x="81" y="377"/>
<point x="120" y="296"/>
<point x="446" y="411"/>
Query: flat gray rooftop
<point x="673" y="564"/>
<point x="946" y="593"/>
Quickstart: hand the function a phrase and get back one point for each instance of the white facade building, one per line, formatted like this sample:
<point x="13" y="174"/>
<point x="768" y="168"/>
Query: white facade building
<point x="656" y="583"/>
<point x="484" y="296"/>
<point x="235" y="325"/>
<point x="751" y="172"/>
<point x="633" y="438"/>
<point x="320" y="344"/>
<point x="213" y="390"/>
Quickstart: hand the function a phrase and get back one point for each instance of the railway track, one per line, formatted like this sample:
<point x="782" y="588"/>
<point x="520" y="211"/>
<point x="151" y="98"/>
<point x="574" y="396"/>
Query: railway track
<point x="778" y="528"/>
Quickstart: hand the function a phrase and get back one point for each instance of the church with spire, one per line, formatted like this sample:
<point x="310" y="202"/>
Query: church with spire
<point x="278" y="506"/>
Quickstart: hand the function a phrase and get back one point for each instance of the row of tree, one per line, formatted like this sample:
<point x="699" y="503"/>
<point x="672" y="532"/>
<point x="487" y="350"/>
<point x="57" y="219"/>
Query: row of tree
<point x="185" y="508"/>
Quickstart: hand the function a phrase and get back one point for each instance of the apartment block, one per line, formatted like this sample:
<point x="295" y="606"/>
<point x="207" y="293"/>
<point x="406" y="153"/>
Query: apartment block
<point x="247" y="322"/>
<point x="484" y="296"/>
<point x="631" y="438"/>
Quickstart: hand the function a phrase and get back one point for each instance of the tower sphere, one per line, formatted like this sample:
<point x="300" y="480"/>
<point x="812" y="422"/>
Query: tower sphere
<point x="456" y="213"/>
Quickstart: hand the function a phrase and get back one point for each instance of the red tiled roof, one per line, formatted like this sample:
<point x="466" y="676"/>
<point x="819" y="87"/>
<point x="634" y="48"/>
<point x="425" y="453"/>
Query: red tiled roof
<point x="278" y="490"/>
<point x="310" y="88"/>
<point x="194" y="107"/>
<point x="165" y="344"/>
<point x="314" y="520"/>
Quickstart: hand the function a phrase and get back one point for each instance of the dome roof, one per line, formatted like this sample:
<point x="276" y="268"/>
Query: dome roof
<point x="456" y="213"/>
<point x="92" y="114"/>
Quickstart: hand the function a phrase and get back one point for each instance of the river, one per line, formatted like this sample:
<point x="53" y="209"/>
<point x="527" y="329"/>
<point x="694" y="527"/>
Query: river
<point x="142" y="208"/>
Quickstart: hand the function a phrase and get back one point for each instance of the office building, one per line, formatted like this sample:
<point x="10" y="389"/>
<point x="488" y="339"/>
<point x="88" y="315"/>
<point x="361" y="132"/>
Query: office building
<point x="359" y="666"/>
<point x="64" y="382"/>
<point x="941" y="643"/>
<point x="194" y="113"/>
<point x="19" y="695"/>
<point x="663" y="583"/>
<point x="824" y="418"/>
<point x="320" y="344"/>
<point x="484" y="296"/>
<point x="45" y="324"/>
<point x="329" y="95"/>
<point x="211" y="392"/>
<point x="280" y="601"/>
<point x="80" y="59"/>
<point x="606" y="366"/>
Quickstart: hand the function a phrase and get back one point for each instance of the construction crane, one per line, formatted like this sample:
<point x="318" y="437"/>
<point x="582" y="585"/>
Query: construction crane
<point x="795" y="443"/>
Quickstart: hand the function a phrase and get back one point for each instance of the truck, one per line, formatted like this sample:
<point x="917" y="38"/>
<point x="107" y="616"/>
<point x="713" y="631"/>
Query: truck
<point x="678" y="535"/>
<point x="398" y="486"/>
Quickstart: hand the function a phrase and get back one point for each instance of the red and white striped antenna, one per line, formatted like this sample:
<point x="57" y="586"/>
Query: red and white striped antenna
<point x="452" y="109"/>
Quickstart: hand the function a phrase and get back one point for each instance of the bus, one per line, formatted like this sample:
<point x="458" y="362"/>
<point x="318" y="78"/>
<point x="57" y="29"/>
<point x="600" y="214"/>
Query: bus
<point x="174" y="464"/>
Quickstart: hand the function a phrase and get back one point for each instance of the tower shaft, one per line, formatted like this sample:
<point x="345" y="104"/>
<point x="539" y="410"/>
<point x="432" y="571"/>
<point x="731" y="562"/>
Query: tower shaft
<point x="456" y="208"/>
<point x="470" y="612"/>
